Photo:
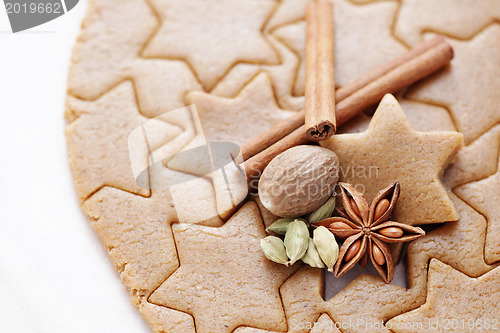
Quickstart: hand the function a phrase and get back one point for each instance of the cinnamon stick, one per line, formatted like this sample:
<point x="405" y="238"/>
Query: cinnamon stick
<point x="320" y="84"/>
<point x="352" y="87"/>
<point x="420" y="63"/>
<point x="438" y="60"/>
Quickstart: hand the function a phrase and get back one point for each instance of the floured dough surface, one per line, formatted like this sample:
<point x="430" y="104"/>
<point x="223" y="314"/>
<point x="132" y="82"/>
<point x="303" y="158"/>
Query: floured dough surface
<point x="452" y="295"/>
<point x="468" y="91"/>
<point x="240" y="284"/>
<point x="188" y="255"/>
<point x="459" y="18"/>
<point x="252" y="111"/>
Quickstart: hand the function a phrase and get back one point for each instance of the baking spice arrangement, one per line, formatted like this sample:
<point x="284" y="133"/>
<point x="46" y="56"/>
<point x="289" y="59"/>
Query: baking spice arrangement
<point x="365" y="230"/>
<point x="285" y="186"/>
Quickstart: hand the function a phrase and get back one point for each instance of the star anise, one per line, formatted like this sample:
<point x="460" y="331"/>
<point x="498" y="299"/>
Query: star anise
<point x="367" y="230"/>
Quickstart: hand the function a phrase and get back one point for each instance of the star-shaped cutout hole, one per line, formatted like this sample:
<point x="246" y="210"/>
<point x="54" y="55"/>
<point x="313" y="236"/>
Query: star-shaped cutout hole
<point x="224" y="280"/>
<point x="469" y="91"/>
<point x="452" y="295"/>
<point x="391" y="150"/>
<point x="239" y="119"/>
<point x="212" y="36"/>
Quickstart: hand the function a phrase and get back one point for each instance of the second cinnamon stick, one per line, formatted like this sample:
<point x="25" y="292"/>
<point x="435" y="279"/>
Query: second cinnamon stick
<point x="285" y="127"/>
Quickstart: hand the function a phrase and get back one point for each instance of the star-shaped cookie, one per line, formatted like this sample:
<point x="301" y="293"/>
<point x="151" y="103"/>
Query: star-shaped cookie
<point x="484" y="196"/>
<point x="418" y="115"/>
<point x="459" y="244"/>
<point x="239" y="119"/>
<point x="445" y="16"/>
<point x="391" y="150"/>
<point x="97" y="140"/>
<point x="212" y="36"/>
<point x="224" y="280"/>
<point x="453" y="296"/>
<point x="136" y="231"/>
<point x="469" y="91"/>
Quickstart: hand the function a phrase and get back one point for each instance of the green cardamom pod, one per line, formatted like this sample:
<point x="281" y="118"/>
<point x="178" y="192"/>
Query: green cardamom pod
<point x="323" y="212"/>
<point x="312" y="257"/>
<point x="327" y="246"/>
<point x="280" y="226"/>
<point x="296" y="240"/>
<point x="274" y="249"/>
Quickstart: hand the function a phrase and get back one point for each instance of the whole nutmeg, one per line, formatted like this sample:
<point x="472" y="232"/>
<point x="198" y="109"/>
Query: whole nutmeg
<point x="299" y="180"/>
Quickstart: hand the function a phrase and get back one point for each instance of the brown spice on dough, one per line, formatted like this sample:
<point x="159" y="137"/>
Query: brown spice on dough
<point x="367" y="231"/>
